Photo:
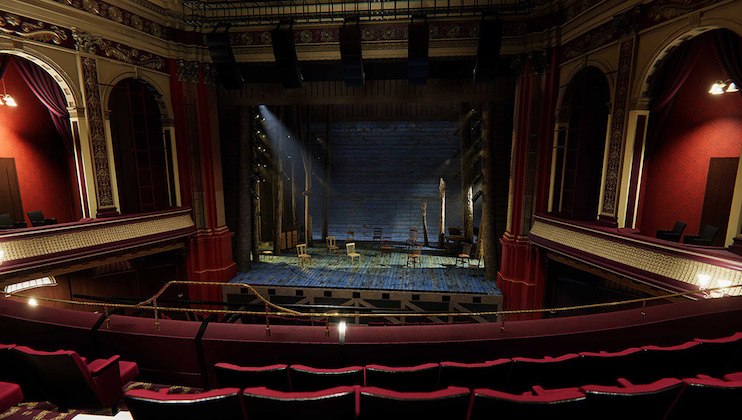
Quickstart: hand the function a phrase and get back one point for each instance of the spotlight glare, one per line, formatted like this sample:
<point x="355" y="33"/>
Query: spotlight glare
<point x="33" y="302"/>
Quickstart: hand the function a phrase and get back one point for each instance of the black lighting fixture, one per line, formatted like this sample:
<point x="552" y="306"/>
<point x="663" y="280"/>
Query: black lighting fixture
<point x="488" y="49"/>
<point x="284" y="51"/>
<point x="220" y="49"/>
<point x="351" y="56"/>
<point x="417" y="50"/>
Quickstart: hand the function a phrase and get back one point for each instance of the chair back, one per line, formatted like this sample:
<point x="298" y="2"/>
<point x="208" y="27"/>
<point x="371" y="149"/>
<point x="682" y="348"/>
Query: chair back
<point x="301" y="249"/>
<point x="413" y="233"/>
<point x="305" y="378"/>
<point x="224" y="404"/>
<point x="679" y="227"/>
<point x="61" y="376"/>
<point x="419" y="378"/>
<point x="330" y="241"/>
<point x="350" y="235"/>
<point x="350" y="248"/>
<point x="466" y="249"/>
<point x="449" y="403"/>
<point x="6" y="222"/>
<point x="386" y="241"/>
<point x="454" y="231"/>
<point x="417" y="249"/>
<point x="272" y="376"/>
<point x="337" y="403"/>
<point x="709" y="232"/>
<point x="377" y="232"/>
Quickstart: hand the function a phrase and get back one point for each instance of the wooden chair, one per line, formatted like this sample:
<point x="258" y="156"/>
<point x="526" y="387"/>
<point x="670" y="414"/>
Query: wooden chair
<point x="377" y="234"/>
<point x="464" y="255"/>
<point x="302" y="255"/>
<point x="386" y="247"/>
<point x="351" y="250"/>
<point x="350" y="236"/>
<point x="332" y="246"/>
<point x="415" y="255"/>
<point x="412" y="240"/>
<point x="266" y="252"/>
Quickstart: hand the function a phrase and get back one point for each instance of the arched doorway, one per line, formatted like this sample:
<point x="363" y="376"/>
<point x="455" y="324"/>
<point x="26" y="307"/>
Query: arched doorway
<point x="38" y="154"/>
<point x="142" y="152"/>
<point x="580" y="143"/>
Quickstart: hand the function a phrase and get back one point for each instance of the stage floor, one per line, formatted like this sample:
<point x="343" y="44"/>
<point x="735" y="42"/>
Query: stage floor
<point x="437" y="273"/>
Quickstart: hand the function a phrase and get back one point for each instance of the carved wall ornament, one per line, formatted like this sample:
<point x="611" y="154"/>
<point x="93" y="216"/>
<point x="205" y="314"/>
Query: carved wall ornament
<point x="122" y="16"/>
<point x="33" y="29"/>
<point x="85" y="42"/>
<point x="187" y="71"/>
<point x="97" y="137"/>
<point x="210" y="76"/>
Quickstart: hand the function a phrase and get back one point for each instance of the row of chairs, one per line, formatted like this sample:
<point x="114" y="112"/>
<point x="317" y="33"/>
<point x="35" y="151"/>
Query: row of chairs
<point x="666" y="398"/>
<point x="64" y="377"/>
<point x="640" y="365"/>
<point x="36" y="217"/>
<point x="705" y="237"/>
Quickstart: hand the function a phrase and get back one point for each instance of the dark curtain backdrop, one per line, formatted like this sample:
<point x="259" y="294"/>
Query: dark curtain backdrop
<point x="49" y="93"/>
<point x="3" y="64"/>
<point x="728" y="49"/>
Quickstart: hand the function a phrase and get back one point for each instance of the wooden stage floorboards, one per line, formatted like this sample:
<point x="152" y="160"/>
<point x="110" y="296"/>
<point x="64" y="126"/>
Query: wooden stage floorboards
<point x="437" y="273"/>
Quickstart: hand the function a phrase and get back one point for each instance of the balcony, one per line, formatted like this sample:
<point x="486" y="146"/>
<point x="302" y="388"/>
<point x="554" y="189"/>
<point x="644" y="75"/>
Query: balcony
<point x="669" y="266"/>
<point x="68" y="247"/>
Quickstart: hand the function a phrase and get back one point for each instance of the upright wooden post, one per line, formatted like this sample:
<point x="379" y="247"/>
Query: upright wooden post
<point x="244" y="186"/>
<point x="307" y="159"/>
<point x="424" y="209"/>
<point x="442" y="213"/>
<point x="326" y="186"/>
<point x="278" y="188"/>
<point x="293" y="195"/>
<point x="467" y="172"/>
<point x="488" y="227"/>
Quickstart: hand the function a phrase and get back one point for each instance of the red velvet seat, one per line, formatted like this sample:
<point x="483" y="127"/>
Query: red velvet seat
<point x="731" y="377"/>
<point x="549" y="372"/>
<point x="492" y="374"/>
<point x="67" y="381"/>
<point x="414" y="378"/>
<point x="222" y="404"/>
<point x="721" y="355"/>
<point x="305" y="378"/>
<point x="604" y="368"/>
<point x="450" y="403"/>
<point x="650" y="401"/>
<point x="706" y="397"/>
<point x="558" y="403"/>
<point x="337" y="403"/>
<point x="273" y="376"/>
<point x="681" y="361"/>
<point x="10" y="395"/>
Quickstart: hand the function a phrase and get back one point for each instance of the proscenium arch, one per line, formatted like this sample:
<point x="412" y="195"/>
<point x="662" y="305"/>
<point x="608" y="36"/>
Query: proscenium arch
<point x="597" y="62"/>
<point x="163" y="104"/>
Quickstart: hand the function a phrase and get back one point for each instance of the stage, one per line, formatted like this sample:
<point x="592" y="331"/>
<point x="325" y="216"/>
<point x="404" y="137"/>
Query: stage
<point x="436" y="273"/>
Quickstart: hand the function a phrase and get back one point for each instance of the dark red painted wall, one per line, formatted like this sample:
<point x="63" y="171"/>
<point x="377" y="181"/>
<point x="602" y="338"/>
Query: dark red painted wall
<point x="701" y="126"/>
<point x="28" y="135"/>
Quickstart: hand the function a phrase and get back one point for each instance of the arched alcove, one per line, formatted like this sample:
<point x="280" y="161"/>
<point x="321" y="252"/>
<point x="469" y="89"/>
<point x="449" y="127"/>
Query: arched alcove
<point x="142" y="154"/>
<point x="580" y="142"/>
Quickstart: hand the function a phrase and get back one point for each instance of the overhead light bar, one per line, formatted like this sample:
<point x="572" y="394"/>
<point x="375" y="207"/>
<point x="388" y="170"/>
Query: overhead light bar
<point x="29" y="284"/>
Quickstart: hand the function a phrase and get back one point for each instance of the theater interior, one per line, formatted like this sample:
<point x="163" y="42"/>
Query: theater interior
<point x="459" y="209"/>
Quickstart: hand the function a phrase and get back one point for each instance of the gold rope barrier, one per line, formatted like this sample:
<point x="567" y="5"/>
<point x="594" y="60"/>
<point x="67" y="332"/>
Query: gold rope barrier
<point x="281" y="311"/>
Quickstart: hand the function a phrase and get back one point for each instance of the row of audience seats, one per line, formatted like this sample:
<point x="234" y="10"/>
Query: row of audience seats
<point x="714" y="357"/>
<point x="667" y="398"/>
<point x="64" y="377"/>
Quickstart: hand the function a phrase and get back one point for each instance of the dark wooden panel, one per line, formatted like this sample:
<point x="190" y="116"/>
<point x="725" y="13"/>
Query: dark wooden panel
<point x="717" y="201"/>
<point x="10" y="192"/>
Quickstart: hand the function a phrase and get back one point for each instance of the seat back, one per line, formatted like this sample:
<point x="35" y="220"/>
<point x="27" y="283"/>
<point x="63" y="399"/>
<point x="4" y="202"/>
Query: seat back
<point x="558" y="404"/>
<point x="350" y="248"/>
<point x="679" y="227"/>
<point x="337" y="403"/>
<point x="651" y="401"/>
<point x="415" y="378"/>
<point x="549" y="372"/>
<point x="273" y="377"/>
<point x="681" y="361"/>
<point x="61" y="376"/>
<point x="454" y="231"/>
<point x="223" y="404"/>
<point x="450" y="403"/>
<point x="707" y="398"/>
<point x="301" y="249"/>
<point x="386" y="241"/>
<point x="305" y="378"/>
<point x="36" y="217"/>
<point x="721" y="355"/>
<point x="604" y="368"/>
<point x="6" y="222"/>
<point x="709" y="232"/>
<point x="413" y="234"/>
<point x="330" y="241"/>
<point x="11" y="371"/>
<point x="493" y="374"/>
<point x="466" y="249"/>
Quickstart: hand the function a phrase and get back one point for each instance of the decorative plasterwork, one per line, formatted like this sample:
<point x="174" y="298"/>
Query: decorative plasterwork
<point x="119" y="15"/>
<point x="187" y="71"/>
<point x="73" y="239"/>
<point x="618" y="119"/>
<point x="210" y="76"/>
<point x="660" y="11"/>
<point x="35" y="30"/>
<point x="92" y="44"/>
<point x="97" y="136"/>
<point x="675" y="267"/>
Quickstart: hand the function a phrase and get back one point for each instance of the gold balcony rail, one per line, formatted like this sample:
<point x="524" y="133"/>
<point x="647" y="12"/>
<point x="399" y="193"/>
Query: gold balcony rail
<point x="282" y="311"/>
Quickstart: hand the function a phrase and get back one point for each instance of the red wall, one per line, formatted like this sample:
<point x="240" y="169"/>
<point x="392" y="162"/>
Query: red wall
<point x="28" y="135"/>
<point x="701" y="126"/>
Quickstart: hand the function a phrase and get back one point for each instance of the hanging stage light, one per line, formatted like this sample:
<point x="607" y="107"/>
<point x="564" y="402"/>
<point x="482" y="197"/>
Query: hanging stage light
<point x="717" y="88"/>
<point x="732" y="88"/>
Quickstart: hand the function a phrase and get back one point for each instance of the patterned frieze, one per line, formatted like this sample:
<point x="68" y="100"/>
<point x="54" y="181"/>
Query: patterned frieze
<point x="97" y="45"/>
<point x="117" y="14"/>
<point x="187" y="71"/>
<point x="35" y="30"/>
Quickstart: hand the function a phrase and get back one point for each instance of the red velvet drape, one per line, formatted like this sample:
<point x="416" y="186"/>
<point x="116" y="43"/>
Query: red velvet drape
<point x="728" y="49"/>
<point x="47" y="90"/>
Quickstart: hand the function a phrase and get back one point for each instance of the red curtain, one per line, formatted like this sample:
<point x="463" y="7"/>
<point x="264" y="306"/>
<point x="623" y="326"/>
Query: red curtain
<point x="728" y="49"/>
<point x="49" y="93"/>
<point x="3" y="64"/>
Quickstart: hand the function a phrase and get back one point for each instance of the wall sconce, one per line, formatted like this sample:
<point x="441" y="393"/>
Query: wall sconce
<point x="720" y="87"/>
<point x="703" y="282"/>
<point x="7" y="99"/>
<point x="33" y="302"/>
<point x="341" y="332"/>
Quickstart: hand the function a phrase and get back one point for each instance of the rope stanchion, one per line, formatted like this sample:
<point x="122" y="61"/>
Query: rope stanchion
<point x="502" y="323"/>
<point x="327" y="326"/>
<point x="281" y="311"/>
<point x="644" y="307"/>
<point x="108" y="320"/>
<point x="267" y="322"/>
